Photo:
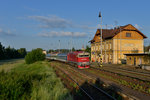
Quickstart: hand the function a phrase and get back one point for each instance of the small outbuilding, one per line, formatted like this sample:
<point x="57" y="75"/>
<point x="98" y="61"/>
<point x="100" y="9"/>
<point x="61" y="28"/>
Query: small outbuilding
<point x="44" y="52"/>
<point x="137" y="59"/>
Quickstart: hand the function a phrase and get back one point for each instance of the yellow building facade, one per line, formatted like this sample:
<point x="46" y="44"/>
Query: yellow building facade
<point x="117" y="42"/>
<point x="138" y="59"/>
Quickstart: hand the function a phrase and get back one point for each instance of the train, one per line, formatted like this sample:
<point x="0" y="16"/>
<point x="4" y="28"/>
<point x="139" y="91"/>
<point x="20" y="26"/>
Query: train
<point x="79" y="59"/>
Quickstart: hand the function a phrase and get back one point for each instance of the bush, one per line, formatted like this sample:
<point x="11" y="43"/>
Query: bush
<point x="36" y="81"/>
<point x="34" y="55"/>
<point x="15" y="86"/>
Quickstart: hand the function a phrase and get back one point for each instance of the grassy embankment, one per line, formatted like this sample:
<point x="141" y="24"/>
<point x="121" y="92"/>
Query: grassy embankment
<point x="36" y="81"/>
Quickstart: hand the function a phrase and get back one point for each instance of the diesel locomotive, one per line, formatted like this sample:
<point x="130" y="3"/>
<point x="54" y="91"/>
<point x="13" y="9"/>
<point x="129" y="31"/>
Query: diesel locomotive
<point x="79" y="58"/>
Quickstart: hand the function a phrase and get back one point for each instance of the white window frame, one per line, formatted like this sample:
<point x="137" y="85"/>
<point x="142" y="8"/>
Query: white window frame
<point x="110" y="46"/>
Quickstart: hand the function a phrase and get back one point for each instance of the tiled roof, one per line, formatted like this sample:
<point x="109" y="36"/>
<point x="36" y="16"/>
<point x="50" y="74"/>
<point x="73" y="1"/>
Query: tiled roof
<point x="110" y="33"/>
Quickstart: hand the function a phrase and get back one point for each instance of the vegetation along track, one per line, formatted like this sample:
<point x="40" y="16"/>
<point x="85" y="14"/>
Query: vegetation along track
<point x="85" y="84"/>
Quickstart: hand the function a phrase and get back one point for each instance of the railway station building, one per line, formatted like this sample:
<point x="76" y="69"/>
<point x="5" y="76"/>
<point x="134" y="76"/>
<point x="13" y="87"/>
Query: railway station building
<point x="116" y="43"/>
<point x="138" y="59"/>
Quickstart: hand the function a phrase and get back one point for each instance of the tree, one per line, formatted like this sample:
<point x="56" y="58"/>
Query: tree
<point x="147" y="58"/>
<point x="34" y="55"/>
<point x="22" y="52"/>
<point x="88" y="49"/>
<point x="2" y="56"/>
<point x="146" y="48"/>
<point x="9" y="53"/>
<point x="73" y="49"/>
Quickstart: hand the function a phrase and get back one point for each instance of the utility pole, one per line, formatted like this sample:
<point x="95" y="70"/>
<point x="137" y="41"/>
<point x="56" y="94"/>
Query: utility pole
<point x="69" y="46"/>
<point x="105" y="46"/>
<point x="120" y="43"/>
<point x="116" y="22"/>
<point x="101" y="40"/>
<point x="59" y="46"/>
<point x="71" y="40"/>
<point x="51" y="47"/>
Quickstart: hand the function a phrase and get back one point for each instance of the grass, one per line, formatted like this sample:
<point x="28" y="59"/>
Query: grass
<point x="7" y="65"/>
<point x="36" y="81"/>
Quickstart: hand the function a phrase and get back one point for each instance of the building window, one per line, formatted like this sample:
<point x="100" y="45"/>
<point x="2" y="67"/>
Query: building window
<point x="128" y="34"/>
<point x="110" y="56"/>
<point x="106" y="46"/>
<point x="110" y="46"/>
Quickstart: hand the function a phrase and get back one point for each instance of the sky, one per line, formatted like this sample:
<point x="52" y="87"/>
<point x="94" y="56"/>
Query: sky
<point x="42" y="24"/>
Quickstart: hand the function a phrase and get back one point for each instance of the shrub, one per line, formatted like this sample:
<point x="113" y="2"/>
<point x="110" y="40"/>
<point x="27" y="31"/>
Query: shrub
<point x="14" y="86"/>
<point x="36" y="81"/>
<point x="34" y="55"/>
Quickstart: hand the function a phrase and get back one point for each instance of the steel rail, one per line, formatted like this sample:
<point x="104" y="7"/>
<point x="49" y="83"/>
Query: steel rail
<point x="120" y="74"/>
<point x="102" y="91"/>
<point x="115" y="72"/>
<point x="98" y="88"/>
<point x="140" y="73"/>
<point x="137" y="72"/>
<point x="77" y="84"/>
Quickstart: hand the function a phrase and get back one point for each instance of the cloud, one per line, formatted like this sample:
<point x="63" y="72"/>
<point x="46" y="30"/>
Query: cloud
<point x="62" y="34"/>
<point x="55" y="22"/>
<point x="52" y="21"/>
<point x="8" y="33"/>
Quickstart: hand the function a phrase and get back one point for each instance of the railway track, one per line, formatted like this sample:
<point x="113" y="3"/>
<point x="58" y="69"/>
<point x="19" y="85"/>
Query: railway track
<point x="131" y="71"/>
<point x="89" y="73"/>
<point x="142" y="76"/>
<point x="125" y="72"/>
<point x="93" y="92"/>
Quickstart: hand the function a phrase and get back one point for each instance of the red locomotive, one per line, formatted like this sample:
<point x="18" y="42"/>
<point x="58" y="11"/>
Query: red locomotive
<point x="79" y="59"/>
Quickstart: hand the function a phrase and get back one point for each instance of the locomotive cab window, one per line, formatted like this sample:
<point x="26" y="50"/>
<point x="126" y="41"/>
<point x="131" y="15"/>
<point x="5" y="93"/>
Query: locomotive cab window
<point x="83" y="55"/>
<point x="128" y="34"/>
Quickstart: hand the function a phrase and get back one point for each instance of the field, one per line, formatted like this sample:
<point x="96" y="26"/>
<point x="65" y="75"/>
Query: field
<point x="36" y="81"/>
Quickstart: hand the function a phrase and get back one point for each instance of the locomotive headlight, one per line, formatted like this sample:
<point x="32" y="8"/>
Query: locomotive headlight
<point x="87" y="63"/>
<point x="83" y="63"/>
<point x="79" y="63"/>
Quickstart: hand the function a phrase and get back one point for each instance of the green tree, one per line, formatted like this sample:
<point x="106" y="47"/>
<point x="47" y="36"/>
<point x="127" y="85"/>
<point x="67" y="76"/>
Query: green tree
<point x="50" y="50"/>
<point x="22" y="52"/>
<point x="146" y="48"/>
<point x="2" y="56"/>
<point x="73" y="49"/>
<point x="8" y="53"/>
<point x="88" y="49"/>
<point x="34" y="55"/>
<point x="147" y="58"/>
